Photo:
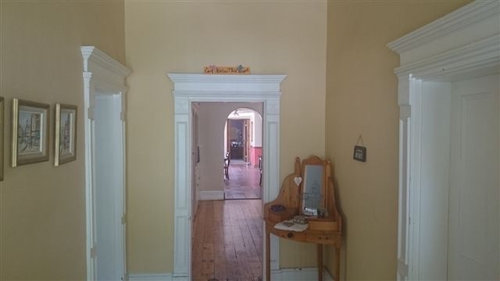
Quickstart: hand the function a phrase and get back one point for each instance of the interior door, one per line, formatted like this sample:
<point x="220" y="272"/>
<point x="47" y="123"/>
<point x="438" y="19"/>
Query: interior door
<point x="474" y="236"/>
<point x="109" y="188"/>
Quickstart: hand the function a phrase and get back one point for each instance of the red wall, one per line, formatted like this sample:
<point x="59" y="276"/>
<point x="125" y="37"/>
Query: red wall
<point x="255" y="152"/>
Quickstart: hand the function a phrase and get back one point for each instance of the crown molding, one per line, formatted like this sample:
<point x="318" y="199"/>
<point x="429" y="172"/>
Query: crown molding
<point x="459" y="19"/>
<point x="474" y="56"/>
<point x="91" y="54"/>
<point x="189" y="82"/>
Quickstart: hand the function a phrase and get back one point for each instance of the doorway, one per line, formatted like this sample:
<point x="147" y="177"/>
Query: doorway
<point x="243" y="154"/>
<point x="226" y="235"/>
<point x="109" y="187"/>
<point x="449" y="188"/>
<point x="192" y="88"/>
<point x="474" y="208"/>
<point x="105" y="164"/>
<point x="456" y="196"/>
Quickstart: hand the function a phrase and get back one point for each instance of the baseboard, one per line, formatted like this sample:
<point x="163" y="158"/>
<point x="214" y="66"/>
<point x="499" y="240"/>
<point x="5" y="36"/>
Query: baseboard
<point x="211" y="195"/>
<point x="299" y="274"/>
<point x="150" y="277"/>
<point x="285" y="274"/>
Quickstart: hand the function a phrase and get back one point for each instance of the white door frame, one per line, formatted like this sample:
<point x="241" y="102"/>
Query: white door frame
<point x="462" y="44"/>
<point x="101" y="75"/>
<point x="189" y="88"/>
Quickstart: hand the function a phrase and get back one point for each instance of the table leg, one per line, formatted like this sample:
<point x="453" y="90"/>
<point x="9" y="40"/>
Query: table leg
<point x="268" y="256"/>
<point x="320" y="262"/>
<point x="337" y="263"/>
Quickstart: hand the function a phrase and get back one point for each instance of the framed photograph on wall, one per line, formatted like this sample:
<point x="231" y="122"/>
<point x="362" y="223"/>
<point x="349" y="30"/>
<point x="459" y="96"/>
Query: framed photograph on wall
<point x="1" y="136"/>
<point x="65" y="134"/>
<point x="30" y="132"/>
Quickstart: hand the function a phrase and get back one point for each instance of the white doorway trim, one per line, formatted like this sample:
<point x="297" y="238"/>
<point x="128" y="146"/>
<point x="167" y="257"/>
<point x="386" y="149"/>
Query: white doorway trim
<point x="463" y="44"/>
<point x="189" y="88"/>
<point x="102" y="75"/>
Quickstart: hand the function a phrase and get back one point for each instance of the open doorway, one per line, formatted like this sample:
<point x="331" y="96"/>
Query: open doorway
<point x="105" y="164"/>
<point x="190" y="89"/>
<point x="227" y="235"/>
<point x="243" y="155"/>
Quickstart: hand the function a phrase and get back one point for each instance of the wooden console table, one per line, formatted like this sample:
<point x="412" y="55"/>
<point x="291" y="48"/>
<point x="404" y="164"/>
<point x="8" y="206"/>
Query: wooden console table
<point x="321" y="231"/>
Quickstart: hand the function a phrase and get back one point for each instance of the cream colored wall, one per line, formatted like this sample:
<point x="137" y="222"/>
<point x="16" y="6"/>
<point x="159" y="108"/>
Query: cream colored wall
<point x="42" y="207"/>
<point x="271" y="37"/>
<point x="362" y="100"/>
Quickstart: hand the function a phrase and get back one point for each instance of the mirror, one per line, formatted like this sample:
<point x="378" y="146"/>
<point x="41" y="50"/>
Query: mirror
<point x="312" y="192"/>
<point x="315" y="173"/>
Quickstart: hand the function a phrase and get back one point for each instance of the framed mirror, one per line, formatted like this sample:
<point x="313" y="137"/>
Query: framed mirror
<point x="315" y="173"/>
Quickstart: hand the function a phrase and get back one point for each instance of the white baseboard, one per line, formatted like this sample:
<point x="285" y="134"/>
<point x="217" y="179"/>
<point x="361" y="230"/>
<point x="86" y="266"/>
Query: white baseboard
<point x="211" y="195"/>
<point x="285" y="274"/>
<point x="299" y="274"/>
<point x="150" y="277"/>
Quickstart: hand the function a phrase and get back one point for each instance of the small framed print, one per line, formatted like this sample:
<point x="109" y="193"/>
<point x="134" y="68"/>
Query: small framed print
<point x="65" y="134"/>
<point x="359" y="153"/>
<point x="30" y="132"/>
<point x="1" y="136"/>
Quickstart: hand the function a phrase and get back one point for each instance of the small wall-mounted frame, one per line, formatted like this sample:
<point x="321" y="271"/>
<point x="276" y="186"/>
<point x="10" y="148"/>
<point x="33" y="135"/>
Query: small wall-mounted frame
<point x="65" y="134"/>
<point x="2" y="110"/>
<point x="30" y="132"/>
<point x="359" y="153"/>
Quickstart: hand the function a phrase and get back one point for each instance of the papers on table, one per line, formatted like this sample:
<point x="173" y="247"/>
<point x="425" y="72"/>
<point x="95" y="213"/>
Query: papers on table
<point x="289" y="225"/>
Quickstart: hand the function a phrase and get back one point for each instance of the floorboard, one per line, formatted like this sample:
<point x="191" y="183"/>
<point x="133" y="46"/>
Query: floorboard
<point x="243" y="182"/>
<point x="227" y="241"/>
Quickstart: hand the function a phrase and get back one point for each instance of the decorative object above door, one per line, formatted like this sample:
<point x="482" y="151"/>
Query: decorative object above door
<point x="214" y="69"/>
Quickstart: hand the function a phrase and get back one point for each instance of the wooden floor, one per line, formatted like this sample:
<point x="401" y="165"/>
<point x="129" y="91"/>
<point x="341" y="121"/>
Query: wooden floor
<point x="243" y="182"/>
<point x="227" y="241"/>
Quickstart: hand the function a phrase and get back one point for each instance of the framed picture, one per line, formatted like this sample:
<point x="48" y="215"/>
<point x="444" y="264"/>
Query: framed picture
<point x="359" y="153"/>
<point x="65" y="134"/>
<point x="30" y="132"/>
<point x="1" y="136"/>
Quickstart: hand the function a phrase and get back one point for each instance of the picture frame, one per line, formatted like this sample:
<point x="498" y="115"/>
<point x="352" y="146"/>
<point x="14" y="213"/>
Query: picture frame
<point x="2" y="112"/>
<point x="359" y="153"/>
<point x="65" y="133"/>
<point x="30" y="132"/>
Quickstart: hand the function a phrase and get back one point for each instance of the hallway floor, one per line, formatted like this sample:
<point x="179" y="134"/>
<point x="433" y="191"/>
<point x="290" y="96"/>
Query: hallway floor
<point x="227" y="241"/>
<point x="243" y="181"/>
